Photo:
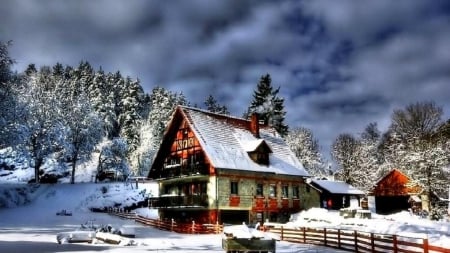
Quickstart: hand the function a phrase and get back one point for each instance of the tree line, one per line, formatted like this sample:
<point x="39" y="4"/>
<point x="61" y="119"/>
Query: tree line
<point x="65" y="114"/>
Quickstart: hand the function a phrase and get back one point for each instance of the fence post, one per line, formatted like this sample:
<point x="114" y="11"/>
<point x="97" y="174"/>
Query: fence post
<point x="394" y="242"/>
<point x="193" y="227"/>
<point x="339" y="238"/>
<point x="282" y="233"/>
<point x="172" y="224"/>
<point x="372" y="242"/>
<point x="425" y="245"/>
<point x="325" y="236"/>
<point x="304" y="235"/>
<point x="356" y="240"/>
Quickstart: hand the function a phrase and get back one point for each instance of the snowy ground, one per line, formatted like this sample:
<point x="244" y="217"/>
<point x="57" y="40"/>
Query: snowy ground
<point x="33" y="227"/>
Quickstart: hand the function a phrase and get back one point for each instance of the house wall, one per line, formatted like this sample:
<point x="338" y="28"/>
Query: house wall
<point x="310" y="197"/>
<point x="262" y="207"/>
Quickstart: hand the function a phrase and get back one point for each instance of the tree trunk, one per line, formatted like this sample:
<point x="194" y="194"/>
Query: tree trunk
<point x="37" y="166"/>
<point x="74" y="163"/>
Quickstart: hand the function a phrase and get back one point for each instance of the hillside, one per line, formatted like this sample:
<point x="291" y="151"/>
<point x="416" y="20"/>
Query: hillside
<point x="83" y="195"/>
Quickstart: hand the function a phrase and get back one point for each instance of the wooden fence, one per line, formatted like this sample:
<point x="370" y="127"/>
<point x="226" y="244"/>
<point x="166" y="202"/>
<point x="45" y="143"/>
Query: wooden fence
<point x="357" y="241"/>
<point x="170" y="225"/>
<point x="185" y="228"/>
<point x="350" y="240"/>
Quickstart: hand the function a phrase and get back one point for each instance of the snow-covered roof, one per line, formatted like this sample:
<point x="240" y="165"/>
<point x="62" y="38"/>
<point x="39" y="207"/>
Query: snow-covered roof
<point x="251" y="145"/>
<point x="226" y="141"/>
<point x="337" y="187"/>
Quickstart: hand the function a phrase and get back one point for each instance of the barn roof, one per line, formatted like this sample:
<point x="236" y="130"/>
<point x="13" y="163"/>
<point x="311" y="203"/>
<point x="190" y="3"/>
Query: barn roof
<point x="395" y="183"/>
<point x="227" y="140"/>
<point x="336" y="187"/>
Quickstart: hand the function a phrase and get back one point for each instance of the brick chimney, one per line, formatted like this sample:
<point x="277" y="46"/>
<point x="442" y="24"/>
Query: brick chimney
<point x="254" y="124"/>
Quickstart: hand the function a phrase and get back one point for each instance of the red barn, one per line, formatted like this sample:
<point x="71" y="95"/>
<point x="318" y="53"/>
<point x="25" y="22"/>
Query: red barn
<point x="393" y="192"/>
<point x="216" y="168"/>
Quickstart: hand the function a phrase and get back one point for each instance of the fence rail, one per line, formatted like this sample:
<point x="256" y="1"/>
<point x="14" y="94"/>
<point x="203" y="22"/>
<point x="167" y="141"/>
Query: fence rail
<point x="356" y="241"/>
<point x="185" y="228"/>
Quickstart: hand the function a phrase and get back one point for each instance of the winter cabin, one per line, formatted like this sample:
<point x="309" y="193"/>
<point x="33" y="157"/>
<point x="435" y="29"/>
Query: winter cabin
<point x="394" y="192"/>
<point x="336" y="194"/>
<point x="217" y="168"/>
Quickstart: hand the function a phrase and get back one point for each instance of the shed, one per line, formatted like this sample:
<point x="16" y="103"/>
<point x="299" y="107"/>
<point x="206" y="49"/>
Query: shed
<point x="394" y="192"/>
<point x="336" y="194"/>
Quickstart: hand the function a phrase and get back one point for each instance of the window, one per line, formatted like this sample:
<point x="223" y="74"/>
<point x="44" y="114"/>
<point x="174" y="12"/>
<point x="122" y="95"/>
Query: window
<point x="273" y="190"/>
<point x="285" y="191"/>
<point x="260" y="157"/>
<point x="234" y="188"/>
<point x="259" y="189"/>
<point x="295" y="192"/>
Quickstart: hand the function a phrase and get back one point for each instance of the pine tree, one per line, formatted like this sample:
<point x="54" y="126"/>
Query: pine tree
<point x="213" y="106"/>
<point x="5" y="63"/>
<point x="131" y="113"/>
<point x="268" y="105"/>
<point x="162" y="105"/>
<point x="98" y="94"/>
<point x="10" y="114"/>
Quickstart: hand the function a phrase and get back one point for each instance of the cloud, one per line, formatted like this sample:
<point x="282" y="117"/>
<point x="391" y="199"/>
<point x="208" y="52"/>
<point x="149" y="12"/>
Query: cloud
<point x="340" y="64"/>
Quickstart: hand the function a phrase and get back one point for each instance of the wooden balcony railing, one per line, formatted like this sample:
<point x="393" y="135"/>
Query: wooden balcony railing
<point x="179" y="170"/>
<point x="179" y="201"/>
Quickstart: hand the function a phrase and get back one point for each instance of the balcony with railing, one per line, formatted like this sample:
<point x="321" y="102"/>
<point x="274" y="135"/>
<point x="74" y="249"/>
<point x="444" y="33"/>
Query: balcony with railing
<point x="178" y="170"/>
<point x="179" y="201"/>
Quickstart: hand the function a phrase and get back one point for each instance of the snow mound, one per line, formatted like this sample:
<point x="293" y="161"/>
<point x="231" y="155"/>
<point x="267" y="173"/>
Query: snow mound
<point x="244" y="232"/>
<point x="314" y="217"/>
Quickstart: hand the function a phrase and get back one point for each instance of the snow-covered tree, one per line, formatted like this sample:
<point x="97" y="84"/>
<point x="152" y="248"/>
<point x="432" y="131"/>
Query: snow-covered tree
<point x="5" y="63"/>
<point x="99" y="93"/>
<point x="268" y="105"/>
<point x="422" y="147"/>
<point x="132" y="105"/>
<point x="368" y="158"/>
<point x="83" y="130"/>
<point x="44" y="124"/>
<point x="113" y="157"/>
<point x="344" y="151"/>
<point x="11" y="111"/>
<point x="162" y="105"/>
<point x="306" y="149"/>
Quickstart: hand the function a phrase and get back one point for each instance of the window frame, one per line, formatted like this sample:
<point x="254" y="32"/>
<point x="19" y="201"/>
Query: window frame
<point x="285" y="191"/>
<point x="273" y="190"/>
<point x="234" y="188"/>
<point x="295" y="192"/>
<point x="259" y="190"/>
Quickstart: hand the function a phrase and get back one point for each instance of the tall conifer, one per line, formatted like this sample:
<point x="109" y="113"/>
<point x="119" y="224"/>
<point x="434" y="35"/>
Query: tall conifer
<point x="268" y="105"/>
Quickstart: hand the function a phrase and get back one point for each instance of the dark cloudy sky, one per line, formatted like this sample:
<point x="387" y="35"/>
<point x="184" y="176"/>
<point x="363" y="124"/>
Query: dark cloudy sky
<point x="340" y="64"/>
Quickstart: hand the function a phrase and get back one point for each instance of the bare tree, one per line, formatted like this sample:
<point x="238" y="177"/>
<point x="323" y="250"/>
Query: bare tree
<point x="345" y="151"/>
<point x="423" y="147"/>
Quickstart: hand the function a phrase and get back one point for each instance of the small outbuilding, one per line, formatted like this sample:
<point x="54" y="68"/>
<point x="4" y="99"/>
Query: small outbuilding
<point x="337" y="194"/>
<point x="394" y="192"/>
